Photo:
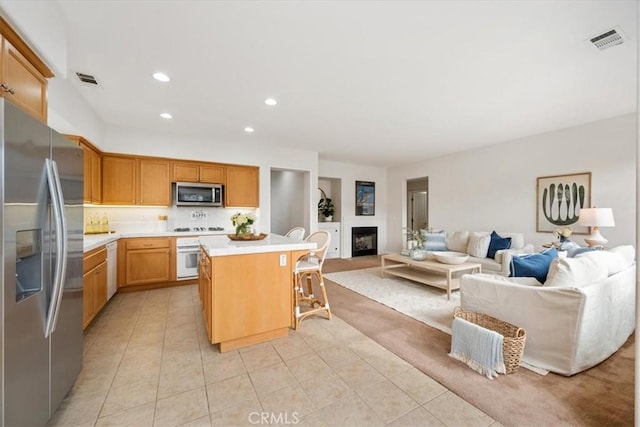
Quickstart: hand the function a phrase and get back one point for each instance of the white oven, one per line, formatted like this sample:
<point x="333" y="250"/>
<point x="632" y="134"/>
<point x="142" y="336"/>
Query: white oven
<point x="187" y="251"/>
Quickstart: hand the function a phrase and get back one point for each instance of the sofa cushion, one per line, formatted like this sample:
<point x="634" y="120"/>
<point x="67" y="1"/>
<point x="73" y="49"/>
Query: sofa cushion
<point x="478" y="245"/>
<point x="575" y="272"/>
<point x="497" y="243"/>
<point x="457" y="241"/>
<point x="434" y="240"/>
<point x="627" y="251"/>
<point x="533" y="265"/>
<point x="614" y="261"/>
<point x="517" y="239"/>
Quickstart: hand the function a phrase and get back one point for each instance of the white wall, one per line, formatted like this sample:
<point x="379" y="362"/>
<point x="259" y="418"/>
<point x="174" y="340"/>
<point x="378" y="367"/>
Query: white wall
<point x="348" y="174"/>
<point x="42" y="25"/>
<point x="495" y="187"/>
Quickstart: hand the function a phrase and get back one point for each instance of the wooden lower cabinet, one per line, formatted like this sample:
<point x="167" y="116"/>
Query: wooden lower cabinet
<point x="94" y="283"/>
<point x="248" y="298"/>
<point x="147" y="263"/>
<point x="147" y="260"/>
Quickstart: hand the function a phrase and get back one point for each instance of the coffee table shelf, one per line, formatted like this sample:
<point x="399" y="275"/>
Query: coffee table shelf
<point x="432" y="273"/>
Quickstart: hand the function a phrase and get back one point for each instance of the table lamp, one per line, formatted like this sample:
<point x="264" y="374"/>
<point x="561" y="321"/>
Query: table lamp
<point x="596" y="217"/>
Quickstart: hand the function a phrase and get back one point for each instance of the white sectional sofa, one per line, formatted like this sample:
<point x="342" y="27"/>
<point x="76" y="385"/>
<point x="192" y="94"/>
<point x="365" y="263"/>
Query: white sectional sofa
<point x="459" y="241"/>
<point x="581" y="315"/>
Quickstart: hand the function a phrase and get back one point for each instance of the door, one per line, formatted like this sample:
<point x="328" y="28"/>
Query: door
<point x="66" y="342"/>
<point x="418" y="210"/>
<point x="25" y="233"/>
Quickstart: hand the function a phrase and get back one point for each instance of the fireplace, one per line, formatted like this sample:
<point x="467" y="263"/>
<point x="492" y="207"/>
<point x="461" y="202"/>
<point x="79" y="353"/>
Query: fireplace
<point x="364" y="241"/>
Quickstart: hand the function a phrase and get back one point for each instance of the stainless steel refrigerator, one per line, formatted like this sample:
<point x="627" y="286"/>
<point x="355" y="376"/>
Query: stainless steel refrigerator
<point x="41" y="303"/>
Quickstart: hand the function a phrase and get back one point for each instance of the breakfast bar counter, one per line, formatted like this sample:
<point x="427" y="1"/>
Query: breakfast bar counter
<point x="246" y="288"/>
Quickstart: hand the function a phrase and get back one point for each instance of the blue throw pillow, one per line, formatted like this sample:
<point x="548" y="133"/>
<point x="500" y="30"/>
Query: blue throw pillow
<point x="434" y="240"/>
<point x="580" y="250"/>
<point x="497" y="244"/>
<point x="533" y="265"/>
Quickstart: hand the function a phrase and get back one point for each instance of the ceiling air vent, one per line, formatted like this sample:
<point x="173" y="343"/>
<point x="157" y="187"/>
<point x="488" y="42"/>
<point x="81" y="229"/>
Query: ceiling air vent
<point x="610" y="38"/>
<point x="87" y="78"/>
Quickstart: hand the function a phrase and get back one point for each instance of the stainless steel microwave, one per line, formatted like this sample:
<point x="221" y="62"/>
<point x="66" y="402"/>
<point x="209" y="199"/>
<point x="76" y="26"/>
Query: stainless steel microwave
<point x="197" y="194"/>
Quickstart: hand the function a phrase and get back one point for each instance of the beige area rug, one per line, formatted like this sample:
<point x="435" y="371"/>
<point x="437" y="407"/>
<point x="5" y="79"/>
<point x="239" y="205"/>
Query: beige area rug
<point x="600" y="396"/>
<point x="422" y="302"/>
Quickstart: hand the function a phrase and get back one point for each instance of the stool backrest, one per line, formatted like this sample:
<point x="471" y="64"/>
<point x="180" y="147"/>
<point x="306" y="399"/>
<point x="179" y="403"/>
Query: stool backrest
<point x="296" y="233"/>
<point x="321" y="239"/>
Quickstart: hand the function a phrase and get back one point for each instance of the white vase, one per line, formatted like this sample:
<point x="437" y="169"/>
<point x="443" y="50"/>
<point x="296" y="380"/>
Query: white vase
<point x="328" y="218"/>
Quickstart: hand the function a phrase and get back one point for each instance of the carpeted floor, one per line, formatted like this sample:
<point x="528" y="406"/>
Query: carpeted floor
<point x="602" y="395"/>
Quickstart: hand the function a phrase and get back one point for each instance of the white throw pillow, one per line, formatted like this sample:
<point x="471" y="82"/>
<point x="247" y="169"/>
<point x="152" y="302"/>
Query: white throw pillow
<point x="575" y="272"/>
<point x="457" y="241"/>
<point x="517" y="239"/>
<point x="478" y="245"/>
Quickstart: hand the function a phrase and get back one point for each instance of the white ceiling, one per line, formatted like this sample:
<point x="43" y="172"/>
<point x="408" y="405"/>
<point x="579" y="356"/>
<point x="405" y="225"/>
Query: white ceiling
<point x="371" y="82"/>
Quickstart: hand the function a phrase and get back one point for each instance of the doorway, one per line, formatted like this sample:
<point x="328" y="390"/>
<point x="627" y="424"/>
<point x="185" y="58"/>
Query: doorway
<point x="418" y="203"/>
<point x="289" y="200"/>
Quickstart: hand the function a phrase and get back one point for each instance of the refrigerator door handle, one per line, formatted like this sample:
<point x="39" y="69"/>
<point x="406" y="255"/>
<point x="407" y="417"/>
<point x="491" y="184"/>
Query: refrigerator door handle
<point x="57" y="206"/>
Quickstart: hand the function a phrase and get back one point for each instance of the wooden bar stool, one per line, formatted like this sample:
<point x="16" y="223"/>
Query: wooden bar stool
<point x="308" y="267"/>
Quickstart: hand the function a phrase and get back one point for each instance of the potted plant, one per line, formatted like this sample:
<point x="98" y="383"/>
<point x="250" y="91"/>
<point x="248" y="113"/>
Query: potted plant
<point x="325" y="206"/>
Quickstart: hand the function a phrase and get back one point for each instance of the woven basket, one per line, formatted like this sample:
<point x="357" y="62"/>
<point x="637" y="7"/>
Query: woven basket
<point x="514" y="337"/>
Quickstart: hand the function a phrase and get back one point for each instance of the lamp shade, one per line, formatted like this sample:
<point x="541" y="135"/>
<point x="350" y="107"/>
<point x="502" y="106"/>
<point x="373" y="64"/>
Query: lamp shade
<point x="596" y="217"/>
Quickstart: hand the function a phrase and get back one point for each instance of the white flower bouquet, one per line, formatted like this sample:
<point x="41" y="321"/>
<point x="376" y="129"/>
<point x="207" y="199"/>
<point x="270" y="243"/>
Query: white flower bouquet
<point x="241" y="221"/>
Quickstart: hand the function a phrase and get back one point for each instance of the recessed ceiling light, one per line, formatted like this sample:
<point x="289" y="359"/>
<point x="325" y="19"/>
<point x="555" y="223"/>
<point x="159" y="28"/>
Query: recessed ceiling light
<point x="248" y="129"/>
<point x="270" y="101"/>
<point x="166" y="116"/>
<point x="161" y="77"/>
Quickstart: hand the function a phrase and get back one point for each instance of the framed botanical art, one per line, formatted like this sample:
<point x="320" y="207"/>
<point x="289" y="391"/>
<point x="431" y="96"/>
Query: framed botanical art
<point x="559" y="200"/>
<point x="365" y="198"/>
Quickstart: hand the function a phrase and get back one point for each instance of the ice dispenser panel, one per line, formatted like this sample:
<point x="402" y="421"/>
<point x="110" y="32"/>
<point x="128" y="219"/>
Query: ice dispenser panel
<point x="28" y="263"/>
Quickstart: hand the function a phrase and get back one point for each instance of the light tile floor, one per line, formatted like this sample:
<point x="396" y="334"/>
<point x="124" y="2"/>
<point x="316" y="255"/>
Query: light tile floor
<point x="147" y="362"/>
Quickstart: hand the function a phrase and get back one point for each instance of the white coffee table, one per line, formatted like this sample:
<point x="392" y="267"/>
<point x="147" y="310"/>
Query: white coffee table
<point x="428" y="272"/>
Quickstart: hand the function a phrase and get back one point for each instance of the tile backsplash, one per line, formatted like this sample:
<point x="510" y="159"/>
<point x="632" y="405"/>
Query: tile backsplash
<point x="146" y="218"/>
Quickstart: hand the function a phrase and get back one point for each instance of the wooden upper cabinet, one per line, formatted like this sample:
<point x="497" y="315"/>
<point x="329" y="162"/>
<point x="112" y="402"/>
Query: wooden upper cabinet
<point x="92" y="168"/>
<point x="129" y="180"/>
<point x="154" y="184"/>
<point x="213" y="174"/>
<point x="242" y="186"/>
<point x="23" y="76"/>
<point x="198" y="172"/>
<point x="119" y="180"/>
<point x="185" y="172"/>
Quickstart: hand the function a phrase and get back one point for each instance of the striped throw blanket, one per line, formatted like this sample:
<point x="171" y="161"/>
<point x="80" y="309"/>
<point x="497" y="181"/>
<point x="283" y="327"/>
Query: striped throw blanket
<point x="477" y="347"/>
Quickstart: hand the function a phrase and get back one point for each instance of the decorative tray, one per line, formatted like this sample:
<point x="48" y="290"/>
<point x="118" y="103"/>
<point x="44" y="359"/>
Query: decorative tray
<point x="246" y="236"/>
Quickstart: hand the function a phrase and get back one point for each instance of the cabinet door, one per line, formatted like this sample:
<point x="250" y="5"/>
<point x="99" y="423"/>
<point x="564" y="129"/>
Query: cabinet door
<point x="118" y="180"/>
<point x="88" y="296"/>
<point x="26" y="86"/>
<point x="213" y="174"/>
<point x="185" y="172"/>
<point x="95" y="179"/>
<point x="147" y="266"/>
<point x="100" y="287"/>
<point x="155" y="187"/>
<point x="88" y="178"/>
<point x="242" y="187"/>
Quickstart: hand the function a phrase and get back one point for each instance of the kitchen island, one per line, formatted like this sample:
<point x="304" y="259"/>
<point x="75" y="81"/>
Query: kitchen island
<point x="246" y="288"/>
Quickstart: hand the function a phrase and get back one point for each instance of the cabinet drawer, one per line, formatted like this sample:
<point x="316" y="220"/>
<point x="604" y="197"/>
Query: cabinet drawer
<point x="94" y="258"/>
<point x="148" y="243"/>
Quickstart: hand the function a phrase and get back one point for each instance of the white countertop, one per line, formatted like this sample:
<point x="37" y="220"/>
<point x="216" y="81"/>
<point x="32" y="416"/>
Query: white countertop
<point x="92" y="241"/>
<point x="222" y="245"/>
